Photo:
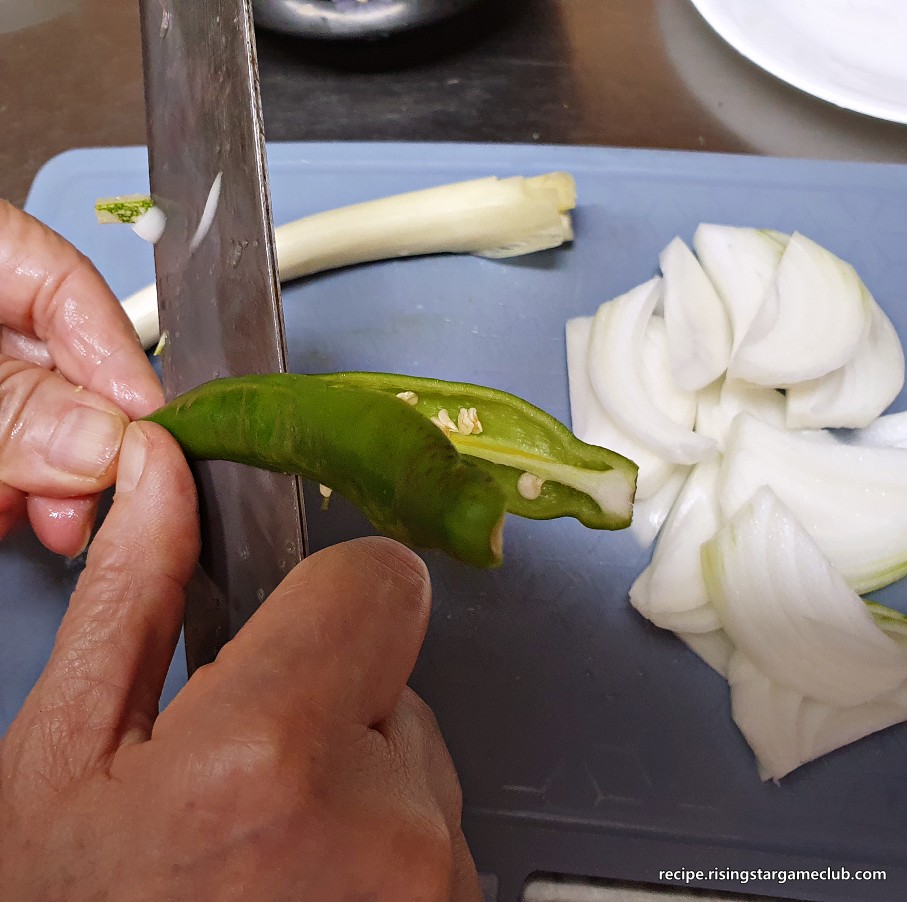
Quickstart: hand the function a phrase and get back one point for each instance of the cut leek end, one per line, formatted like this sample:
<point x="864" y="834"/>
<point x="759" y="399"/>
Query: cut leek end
<point x="562" y="183"/>
<point x="122" y="208"/>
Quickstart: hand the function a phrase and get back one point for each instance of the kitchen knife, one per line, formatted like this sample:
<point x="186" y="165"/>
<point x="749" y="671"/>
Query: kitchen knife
<point x="218" y="290"/>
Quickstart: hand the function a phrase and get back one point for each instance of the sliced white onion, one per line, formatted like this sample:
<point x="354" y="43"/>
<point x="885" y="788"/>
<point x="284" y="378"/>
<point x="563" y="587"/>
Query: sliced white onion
<point x="741" y="264"/>
<point x="811" y="320"/>
<point x="699" y="333"/>
<point x="671" y="591"/>
<point x="591" y="422"/>
<point x="579" y="386"/>
<point x="851" y="499"/>
<point x="650" y="513"/>
<point x="791" y="613"/>
<point x="713" y="647"/>
<point x="151" y="224"/>
<point x="720" y="403"/>
<point x="616" y="369"/>
<point x="786" y="730"/>
<point x="854" y="395"/>
<point x="824" y="728"/>
<point x="893" y="623"/>
<point x="676" y="403"/>
<point x="889" y="431"/>
<point x="768" y="715"/>
<point x="811" y="666"/>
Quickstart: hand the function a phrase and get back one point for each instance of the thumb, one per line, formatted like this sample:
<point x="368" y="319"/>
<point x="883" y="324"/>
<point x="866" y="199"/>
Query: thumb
<point x="102" y="684"/>
<point x="56" y="440"/>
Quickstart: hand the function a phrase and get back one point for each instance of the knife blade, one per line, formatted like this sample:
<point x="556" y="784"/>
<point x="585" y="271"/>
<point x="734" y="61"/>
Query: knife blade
<point x="218" y="290"/>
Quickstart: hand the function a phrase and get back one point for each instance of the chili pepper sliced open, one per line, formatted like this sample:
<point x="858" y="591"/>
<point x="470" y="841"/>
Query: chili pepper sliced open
<point x="543" y="468"/>
<point x="432" y="464"/>
<point x="370" y="447"/>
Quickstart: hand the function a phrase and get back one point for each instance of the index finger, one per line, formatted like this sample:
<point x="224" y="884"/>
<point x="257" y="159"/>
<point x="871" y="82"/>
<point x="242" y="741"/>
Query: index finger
<point x="340" y="635"/>
<point x="52" y="292"/>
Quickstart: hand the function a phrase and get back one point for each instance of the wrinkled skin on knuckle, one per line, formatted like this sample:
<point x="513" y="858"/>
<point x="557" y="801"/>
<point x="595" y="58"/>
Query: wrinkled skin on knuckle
<point x="418" y="752"/>
<point x="420" y="853"/>
<point x="260" y="775"/>
<point x="113" y="569"/>
<point x="64" y="836"/>
<point x="422" y="713"/>
<point x="97" y="631"/>
<point x="37" y="754"/>
<point x="411" y="832"/>
<point x="19" y="382"/>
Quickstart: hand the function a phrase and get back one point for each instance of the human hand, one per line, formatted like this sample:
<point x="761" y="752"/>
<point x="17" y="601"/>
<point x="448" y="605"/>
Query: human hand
<point x="296" y="766"/>
<point x="72" y="373"/>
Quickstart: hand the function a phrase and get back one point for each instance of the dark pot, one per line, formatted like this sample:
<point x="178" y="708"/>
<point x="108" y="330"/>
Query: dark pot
<point x="353" y="19"/>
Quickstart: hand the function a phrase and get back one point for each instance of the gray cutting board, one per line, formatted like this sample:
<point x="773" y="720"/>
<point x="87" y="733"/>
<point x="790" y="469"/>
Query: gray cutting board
<point x="587" y="741"/>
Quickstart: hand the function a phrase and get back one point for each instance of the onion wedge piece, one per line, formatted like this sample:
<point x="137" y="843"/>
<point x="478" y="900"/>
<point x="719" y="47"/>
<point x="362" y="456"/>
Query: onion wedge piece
<point x="888" y="431"/>
<point x="812" y="318"/>
<point x="786" y="729"/>
<point x="720" y="403"/>
<point x="671" y="591"/>
<point x="591" y="422"/>
<point x="851" y="499"/>
<point x="650" y="514"/>
<point x="741" y="264"/>
<point x="854" y="395"/>
<point x="714" y="648"/>
<point x="699" y="333"/>
<point x="619" y="330"/>
<point x="790" y="612"/>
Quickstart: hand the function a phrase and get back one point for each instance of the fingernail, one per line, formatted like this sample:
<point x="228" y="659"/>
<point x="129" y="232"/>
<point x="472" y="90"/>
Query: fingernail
<point x="86" y="538"/>
<point x="85" y="441"/>
<point x="132" y="458"/>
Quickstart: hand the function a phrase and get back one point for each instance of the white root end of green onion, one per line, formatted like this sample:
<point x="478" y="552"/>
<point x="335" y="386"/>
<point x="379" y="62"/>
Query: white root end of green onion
<point x="529" y="486"/>
<point x="410" y="397"/>
<point x="485" y="217"/>
<point x="325" y="491"/>
<point x="150" y="225"/>
<point x="141" y="308"/>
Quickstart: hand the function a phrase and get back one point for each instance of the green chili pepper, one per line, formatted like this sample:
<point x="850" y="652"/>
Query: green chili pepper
<point x="433" y="464"/>
<point x="544" y="470"/>
<point x="370" y="447"/>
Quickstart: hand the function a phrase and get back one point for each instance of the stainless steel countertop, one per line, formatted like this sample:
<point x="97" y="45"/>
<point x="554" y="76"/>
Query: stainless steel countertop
<point x="633" y="73"/>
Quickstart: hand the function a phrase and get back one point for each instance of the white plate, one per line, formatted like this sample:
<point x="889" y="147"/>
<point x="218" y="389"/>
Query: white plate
<point x="849" y="52"/>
